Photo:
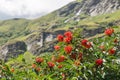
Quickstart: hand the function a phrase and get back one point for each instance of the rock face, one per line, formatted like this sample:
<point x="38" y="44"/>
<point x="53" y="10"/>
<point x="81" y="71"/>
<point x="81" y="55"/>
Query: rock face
<point x="75" y="9"/>
<point x="43" y="42"/>
<point x="92" y="32"/>
<point x="90" y="7"/>
<point x="95" y="7"/>
<point x="12" y="50"/>
<point x="36" y="44"/>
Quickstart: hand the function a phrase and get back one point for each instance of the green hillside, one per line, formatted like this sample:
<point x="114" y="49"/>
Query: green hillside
<point x="12" y="29"/>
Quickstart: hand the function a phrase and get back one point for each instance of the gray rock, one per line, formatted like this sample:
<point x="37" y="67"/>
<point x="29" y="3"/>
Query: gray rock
<point x="11" y="50"/>
<point x="42" y="42"/>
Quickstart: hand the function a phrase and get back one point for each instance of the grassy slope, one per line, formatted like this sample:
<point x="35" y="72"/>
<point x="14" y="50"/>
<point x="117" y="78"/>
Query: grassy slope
<point x="105" y="18"/>
<point x="11" y="29"/>
<point x="22" y="28"/>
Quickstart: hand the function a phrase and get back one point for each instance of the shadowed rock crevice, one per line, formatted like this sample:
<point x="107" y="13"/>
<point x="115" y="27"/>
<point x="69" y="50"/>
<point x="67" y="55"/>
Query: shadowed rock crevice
<point x="12" y="50"/>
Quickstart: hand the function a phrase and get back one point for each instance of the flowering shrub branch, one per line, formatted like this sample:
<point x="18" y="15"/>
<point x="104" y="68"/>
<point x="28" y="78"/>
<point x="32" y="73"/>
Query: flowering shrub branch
<point x="76" y="58"/>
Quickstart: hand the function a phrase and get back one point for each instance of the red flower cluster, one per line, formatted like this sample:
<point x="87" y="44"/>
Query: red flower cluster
<point x="67" y="40"/>
<point x="50" y="64"/>
<point x="112" y="51"/>
<point x="34" y="66"/>
<point x="68" y="34"/>
<point x="109" y="31"/>
<point x="57" y="48"/>
<point x="99" y="62"/>
<point x="61" y="58"/>
<point x="37" y="69"/>
<point x="86" y="43"/>
<point x="12" y="70"/>
<point x="60" y="37"/>
<point x="60" y="66"/>
<point x="68" y="49"/>
<point x="39" y="60"/>
<point x="68" y="37"/>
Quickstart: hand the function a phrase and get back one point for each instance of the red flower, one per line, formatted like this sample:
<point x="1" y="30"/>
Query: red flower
<point x="39" y="60"/>
<point x="57" y="47"/>
<point x="68" y="49"/>
<point x="68" y="34"/>
<point x="112" y="51"/>
<point x="85" y="43"/>
<point x="60" y="66"/>
<point x="50" y="64"/>
<point x="61" y="58"/>
<point x="33" y="65"/>
<point x="67" y="40"/>
<point x="99" y="62"/>
<point x="12" y="70"/>
<point x="60" y="37"/>
<point x="109" y="31"/>
<point x="37" y="69"/>
<point x="88" y="45"/>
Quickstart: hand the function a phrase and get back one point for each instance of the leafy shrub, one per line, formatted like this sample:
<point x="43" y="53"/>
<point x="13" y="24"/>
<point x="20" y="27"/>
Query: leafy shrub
<point x="74" y="58"/>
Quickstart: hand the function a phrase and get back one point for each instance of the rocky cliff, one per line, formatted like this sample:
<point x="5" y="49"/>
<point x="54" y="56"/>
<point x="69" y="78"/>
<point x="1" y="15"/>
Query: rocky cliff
<point x="11" y="50"/>
<point x="89" y="7"/>
<point x="95" y="7"/>
<point x="36" y="44"/>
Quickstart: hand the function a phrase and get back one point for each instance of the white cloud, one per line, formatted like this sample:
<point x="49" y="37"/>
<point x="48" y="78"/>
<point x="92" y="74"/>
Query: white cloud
<point x="28" y="8"/>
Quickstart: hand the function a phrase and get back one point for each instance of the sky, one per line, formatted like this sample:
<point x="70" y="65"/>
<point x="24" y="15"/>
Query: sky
<point x="29" y="9"/>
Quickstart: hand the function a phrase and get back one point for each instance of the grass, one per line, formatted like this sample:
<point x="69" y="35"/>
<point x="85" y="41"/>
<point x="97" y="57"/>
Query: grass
<point x="104" y="18"/>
